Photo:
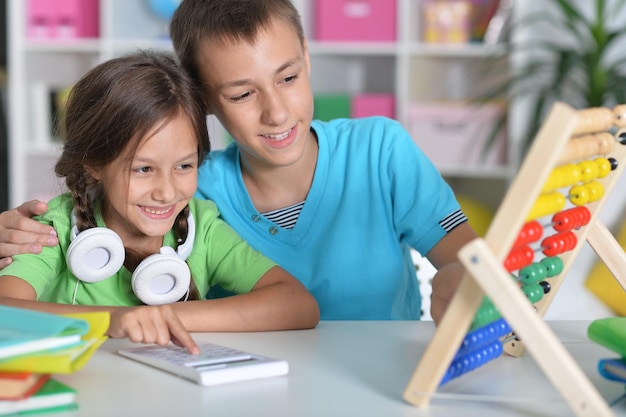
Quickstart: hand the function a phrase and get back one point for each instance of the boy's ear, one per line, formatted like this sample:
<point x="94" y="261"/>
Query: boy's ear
<point x="206" y="102"/>
<point x="307" y="60"/>
<point x="207" y="108"/>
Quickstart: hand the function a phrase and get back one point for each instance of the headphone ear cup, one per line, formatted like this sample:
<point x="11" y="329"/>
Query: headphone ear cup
<point x="161" y="279"/>
<point x="95" y="254"/>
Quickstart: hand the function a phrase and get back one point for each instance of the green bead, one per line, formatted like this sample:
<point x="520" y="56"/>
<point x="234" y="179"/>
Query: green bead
<point x="534" y="292"/>
<point x="533" y="273"/>
<point x="553" y="265"/>
<point x="487" y="313"/>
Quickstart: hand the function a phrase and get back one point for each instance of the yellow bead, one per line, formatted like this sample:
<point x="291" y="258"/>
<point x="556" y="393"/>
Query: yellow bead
<point x="548" y="203"/>
<point x="603" y="165"/>
<point x="579" y="195"/>
<point x="588" y="170"/>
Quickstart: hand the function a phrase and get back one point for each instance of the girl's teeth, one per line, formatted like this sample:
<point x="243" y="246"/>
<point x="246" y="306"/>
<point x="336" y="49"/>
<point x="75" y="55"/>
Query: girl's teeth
<point x="155" y="211"/>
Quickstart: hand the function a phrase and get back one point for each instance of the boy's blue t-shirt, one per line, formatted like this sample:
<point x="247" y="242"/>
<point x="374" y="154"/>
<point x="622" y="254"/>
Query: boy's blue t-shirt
<point x="374" y="196"/>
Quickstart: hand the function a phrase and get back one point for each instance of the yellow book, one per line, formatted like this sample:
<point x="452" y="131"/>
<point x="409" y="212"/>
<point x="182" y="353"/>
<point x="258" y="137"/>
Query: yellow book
<point x="68" y="360"/>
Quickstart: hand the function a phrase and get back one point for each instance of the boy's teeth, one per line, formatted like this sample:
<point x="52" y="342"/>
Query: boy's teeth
<point x="277" y="137"/>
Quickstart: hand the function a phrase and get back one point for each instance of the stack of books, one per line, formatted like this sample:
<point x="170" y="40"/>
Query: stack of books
<point x="34" y="346"/>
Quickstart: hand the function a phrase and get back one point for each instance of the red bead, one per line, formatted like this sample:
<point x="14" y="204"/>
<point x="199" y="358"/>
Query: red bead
<point x="518" y="258"/>
<point x="559" y="243"/>
<point x="570" y="219"/>
<point x="531" y="232"/>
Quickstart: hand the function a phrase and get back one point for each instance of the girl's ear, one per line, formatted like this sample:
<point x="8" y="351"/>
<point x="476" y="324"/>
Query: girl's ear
<point x="94" y="172"/>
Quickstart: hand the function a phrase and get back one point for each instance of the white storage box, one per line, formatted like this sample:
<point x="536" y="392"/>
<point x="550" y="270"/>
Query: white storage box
<point x="456" y="134"/>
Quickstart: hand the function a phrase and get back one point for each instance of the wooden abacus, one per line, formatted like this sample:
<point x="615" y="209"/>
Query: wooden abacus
<point x="558" y="160"/>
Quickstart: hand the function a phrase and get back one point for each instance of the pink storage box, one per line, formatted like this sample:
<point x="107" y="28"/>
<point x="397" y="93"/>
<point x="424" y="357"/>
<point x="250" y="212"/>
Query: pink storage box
<point x="364" y="105"/>
<point x="355" y="20"/>
<point x="62" y="19"/>
<point x="455" y="135"/>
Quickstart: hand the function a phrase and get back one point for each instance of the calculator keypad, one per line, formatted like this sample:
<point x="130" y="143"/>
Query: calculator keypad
<point x="210" y="354"/>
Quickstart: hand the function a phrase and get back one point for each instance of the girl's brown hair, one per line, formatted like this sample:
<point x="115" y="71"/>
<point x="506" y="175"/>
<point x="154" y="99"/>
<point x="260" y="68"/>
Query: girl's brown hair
<point x="110" y="109"/>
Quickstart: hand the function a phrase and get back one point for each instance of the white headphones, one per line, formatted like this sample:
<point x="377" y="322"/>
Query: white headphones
<point x="97" y="253"/>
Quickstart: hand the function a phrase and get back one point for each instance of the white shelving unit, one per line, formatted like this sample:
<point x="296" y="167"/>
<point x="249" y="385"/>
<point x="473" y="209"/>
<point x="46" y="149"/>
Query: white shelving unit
<point x="408" y="68"/>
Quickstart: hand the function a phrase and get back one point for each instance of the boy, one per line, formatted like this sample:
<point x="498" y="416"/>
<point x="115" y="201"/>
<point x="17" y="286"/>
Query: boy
<point x="338" y="204"/>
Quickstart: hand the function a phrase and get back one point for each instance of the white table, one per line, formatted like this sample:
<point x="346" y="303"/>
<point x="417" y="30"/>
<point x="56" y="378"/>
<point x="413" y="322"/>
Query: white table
<point x="338" y="369"/>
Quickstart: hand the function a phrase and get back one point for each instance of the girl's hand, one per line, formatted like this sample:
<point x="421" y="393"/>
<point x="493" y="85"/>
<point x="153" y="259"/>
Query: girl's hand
<point x="151" y="324"/>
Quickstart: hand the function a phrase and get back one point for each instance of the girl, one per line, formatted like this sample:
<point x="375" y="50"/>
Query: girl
<point x="135" y="135"/>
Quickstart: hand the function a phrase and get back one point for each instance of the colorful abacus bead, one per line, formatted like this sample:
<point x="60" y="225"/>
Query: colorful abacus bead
<point x="533" y="273"/>
<point x="588" y="170"/>
<point x="546" y="286"/>
<point x="563" y="176"/>
<point x="534" y="292"/>
<point x="570" y="219"/>
<point x="553" y="264"/>
<point x="619" y="115"/>
<point x="518" y="258"/>
<point x="545" y="204"/>
<point x="478" y="347"/>
<point x="487" y="313"/>
<point x="586" y="193"/>
<point x="594" y="119"/>
<point x="604" y="167"/>
<point x="559" y="243"/>
<point x="531" y="232"/>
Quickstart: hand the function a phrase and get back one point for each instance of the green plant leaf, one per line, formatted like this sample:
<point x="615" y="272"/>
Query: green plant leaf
<point x="568" y="56"/>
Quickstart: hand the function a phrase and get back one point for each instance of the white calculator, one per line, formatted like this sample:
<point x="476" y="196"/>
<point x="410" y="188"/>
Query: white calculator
<point x="215" y="364"/>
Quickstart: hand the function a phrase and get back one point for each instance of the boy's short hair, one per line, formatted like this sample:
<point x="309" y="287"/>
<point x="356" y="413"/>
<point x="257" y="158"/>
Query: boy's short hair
<point x="196" y="21"/>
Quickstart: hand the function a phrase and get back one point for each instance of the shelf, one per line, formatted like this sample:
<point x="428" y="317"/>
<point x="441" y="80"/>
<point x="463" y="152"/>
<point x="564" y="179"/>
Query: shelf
<point x="54" y="46"/>
<point x="409" y="70"/>
<point x="353" y="48"/>
<point x="495" y="172"/>
<point x="470" y="50"/>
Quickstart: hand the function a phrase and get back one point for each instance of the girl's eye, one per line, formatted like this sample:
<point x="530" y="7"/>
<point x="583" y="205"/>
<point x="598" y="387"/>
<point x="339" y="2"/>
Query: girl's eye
<point x="141" y="170"/>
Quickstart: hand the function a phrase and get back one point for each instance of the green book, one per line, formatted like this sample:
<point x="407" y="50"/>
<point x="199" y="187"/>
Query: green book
<point x="52" y="396"/>
<point x="610" y="333"/>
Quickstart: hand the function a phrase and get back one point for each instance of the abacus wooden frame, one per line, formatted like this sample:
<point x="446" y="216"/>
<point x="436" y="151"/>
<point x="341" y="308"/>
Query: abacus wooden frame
<point x="486" y="275"/>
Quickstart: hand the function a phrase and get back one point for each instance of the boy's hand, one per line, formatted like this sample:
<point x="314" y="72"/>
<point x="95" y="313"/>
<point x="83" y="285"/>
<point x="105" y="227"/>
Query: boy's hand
<point x="20" y="234"/>
<point x="151" y="324"/>
<point x="444" y="285"/>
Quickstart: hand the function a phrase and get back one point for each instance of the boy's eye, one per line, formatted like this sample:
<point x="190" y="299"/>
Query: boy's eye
<point x="186" y="166"/>
<point x="291" y="78"/>
<point x="241" y="97"/>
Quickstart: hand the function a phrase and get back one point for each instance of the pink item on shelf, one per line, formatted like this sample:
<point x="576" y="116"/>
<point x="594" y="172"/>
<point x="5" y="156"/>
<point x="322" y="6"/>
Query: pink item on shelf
<point x="39" y="16"/>
<point x="62" y="19"/>
<point x="355" y="20"/>
<point x="370" y="104"/>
